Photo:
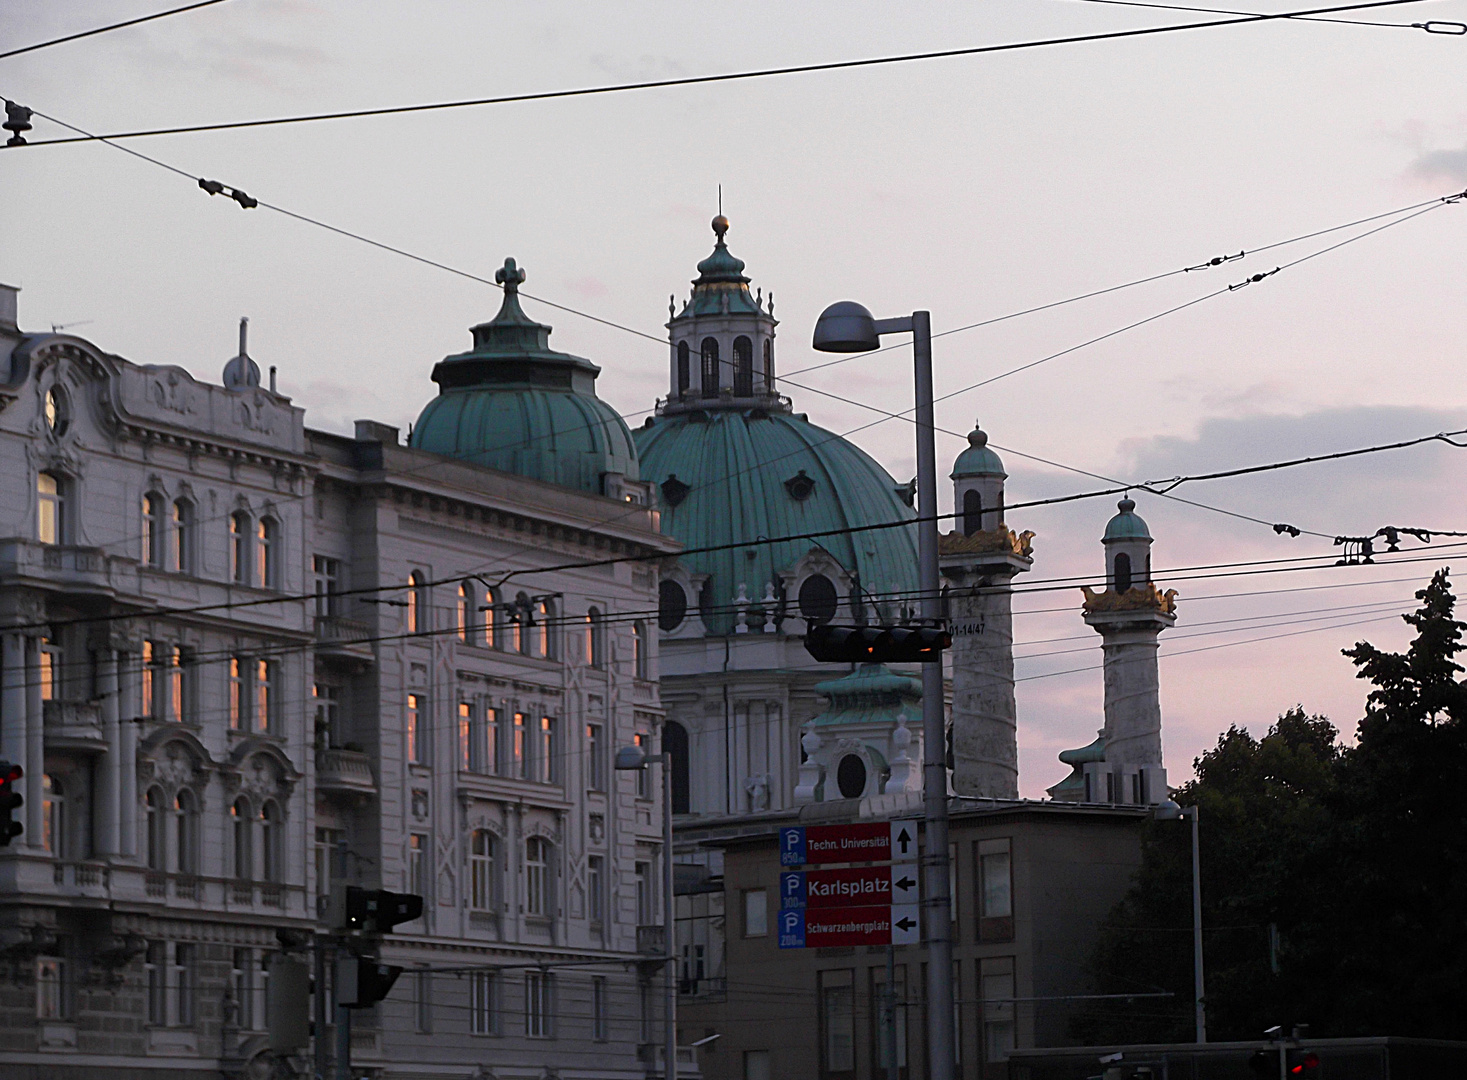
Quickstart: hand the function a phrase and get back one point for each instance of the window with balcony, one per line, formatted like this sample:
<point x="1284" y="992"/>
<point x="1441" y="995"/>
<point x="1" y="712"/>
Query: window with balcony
<point x="52" y="526"/>
<point x="327" y="574"/>
<point x="645" y="911"/>
<point x="329" y="733"/>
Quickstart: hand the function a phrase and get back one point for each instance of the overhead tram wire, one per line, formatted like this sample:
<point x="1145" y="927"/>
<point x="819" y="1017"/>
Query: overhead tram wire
<point x="694" y="80"/>
<point x="104" y="29"/>
<point x="1448" y="28"/>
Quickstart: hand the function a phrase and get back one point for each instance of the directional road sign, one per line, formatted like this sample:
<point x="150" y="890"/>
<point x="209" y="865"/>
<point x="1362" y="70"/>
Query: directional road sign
<point x="856" y="886"/>
<point x="883" y="841"/>
<point x="817" y="928"/>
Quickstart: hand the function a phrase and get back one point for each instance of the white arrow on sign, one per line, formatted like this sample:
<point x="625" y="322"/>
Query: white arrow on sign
<point x="906" y="927"/>
<point x="903" y="885"/>
<point x="903" y="841"/>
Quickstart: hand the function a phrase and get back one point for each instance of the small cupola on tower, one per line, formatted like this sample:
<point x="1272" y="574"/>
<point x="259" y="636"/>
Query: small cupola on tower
<point x="723" y="338"/>
<point x="978" y="477"/>
<point x="1127" y="543"/>
<point x="241" y="372"/>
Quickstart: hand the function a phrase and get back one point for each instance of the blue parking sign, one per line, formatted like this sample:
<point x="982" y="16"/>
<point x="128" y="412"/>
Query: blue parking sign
<point x="792" y="846"/>
<point x="792" y="889"/>
<point x="792" y="928"/>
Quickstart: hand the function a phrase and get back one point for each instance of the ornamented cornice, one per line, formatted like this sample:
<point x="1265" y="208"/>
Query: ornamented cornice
<point x="1141" y="598"/>
<point x="1001" y="540"/>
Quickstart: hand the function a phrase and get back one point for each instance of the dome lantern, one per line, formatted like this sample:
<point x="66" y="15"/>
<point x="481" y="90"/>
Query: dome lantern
<point x="1127" y="544"/>
<point x="978" y="475"/>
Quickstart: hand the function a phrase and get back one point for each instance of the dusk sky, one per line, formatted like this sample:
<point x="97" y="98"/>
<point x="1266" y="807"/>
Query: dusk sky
<point x="972" y="186"/>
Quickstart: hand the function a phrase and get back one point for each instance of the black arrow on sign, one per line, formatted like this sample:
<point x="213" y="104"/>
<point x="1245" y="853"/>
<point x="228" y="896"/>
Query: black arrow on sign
<point x="905" y="883"/>
<point x="905" y="923"/>
<point x="903" y="839"/>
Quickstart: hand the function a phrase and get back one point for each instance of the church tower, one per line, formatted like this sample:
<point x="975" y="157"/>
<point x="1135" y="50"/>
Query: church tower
<point x="1125" y="764"/>
<point x="979" y="561"/>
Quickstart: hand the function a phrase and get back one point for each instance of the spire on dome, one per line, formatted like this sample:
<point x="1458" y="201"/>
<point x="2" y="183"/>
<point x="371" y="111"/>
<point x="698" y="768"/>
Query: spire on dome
<point x="978" y="459"/>
<point x="241" y="373"/>
<point x="721" y="265"/>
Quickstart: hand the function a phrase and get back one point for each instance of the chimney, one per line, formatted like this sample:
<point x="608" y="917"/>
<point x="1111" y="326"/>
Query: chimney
<point x="8" y="309"/>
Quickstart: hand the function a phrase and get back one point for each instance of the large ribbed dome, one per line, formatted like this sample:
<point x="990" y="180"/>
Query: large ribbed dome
<point x="513" y="403"/>
<point x="729" y="476"/>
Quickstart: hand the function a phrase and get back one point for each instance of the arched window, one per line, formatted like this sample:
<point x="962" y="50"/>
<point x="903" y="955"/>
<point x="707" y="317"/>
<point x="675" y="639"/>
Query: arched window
<point x="972" y="512"/>
<point x="53" y="816"/>
<point x="521" y="633"/>
<point x="481" y="871"/>
<point x="818" y="599"/>
<point x="51" y="524"/>
<point x="544" y="630"/>
<point x="768" y="366"/>
<point x="183" y="536"/>
<point x="185" y="833"/>
<point x="684" y="374"/>
<point x="675" y="743"/>
<point x="153" y="530"/>
<point x="157" y="828"/>
<point x="241" y="824"/>
<point x="239" y="547"/>
<point x="267" y="551"/>
<point x="491" y="619"/>
<point x="743" y="358"/>
<point x="1123" y="572"/>
<point x="672" y="605"/>
<point x="537" y="877"/>
<point x="465" y="610"/>
<point x="271" y="828"/>
<point x="710" y="367"/>
<point x="417" y="608"/>
<point x="639" y="649"/>
<point x="596" y="638"/>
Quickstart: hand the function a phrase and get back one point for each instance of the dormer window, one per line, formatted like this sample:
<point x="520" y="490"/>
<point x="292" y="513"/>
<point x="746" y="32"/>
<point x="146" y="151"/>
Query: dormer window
<point x="57" y="409"/>
<point x="800" y="486"/>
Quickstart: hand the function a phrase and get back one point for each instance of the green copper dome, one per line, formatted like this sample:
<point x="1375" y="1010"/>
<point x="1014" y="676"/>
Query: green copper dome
<point x="1127" y="525"/>
<point x="731" y="476"/>
<point x="977" y="459"/>
<point x="514" y="404"/>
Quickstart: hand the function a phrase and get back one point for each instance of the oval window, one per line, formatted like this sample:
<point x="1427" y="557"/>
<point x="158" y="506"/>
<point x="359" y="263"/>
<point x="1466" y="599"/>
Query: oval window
<point x="850" y="777"/>
<point x="672" y="606"/>
<point x="57" y="413"/>
<point x="818" y="599"/>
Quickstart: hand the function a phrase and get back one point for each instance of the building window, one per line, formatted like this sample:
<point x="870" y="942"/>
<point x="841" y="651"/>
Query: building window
<point x="684" y="372"/>
<point x="467" y="757"/>
<point x="544" y="631"/>
<point x="242" y="986"/>
<point x="481" y="871"/>
<point x="837" y="998"/>
<point x="889" y="1031"/>
<point x="266" y="673"/>
<point x="267" y="552"/>
<point x="241" y="822"/>
<point x="675" y="743"/>
<point x="272" y="828"/>
<point x="151" y="702"/>
<point x="756" y="912"/>
<point x="491" y="621"/>
<point x="1123" y="572"/>
<point x="465" y="611"/>
<point x="417" y="857"/>
<point x="182" y="677"/>
<point x="743" y="358"/>
<point x="537" y="877"/>
<point x="672" y="605"/>
<point x="51" y="523"/>
<point x="415" y="745"/>
<point x="599" y="1025"/>
<point x="539" y="1004"/>
<point x="596" y="639"/>
<point x="417" y="604"/>
<point x="239" y="547"/>
<point x="53" y="816"/>
<point x="972" y="512"/>
<point x="183" y="983"/>
<point x="183" y="536"/>
<point x="768" y="366"/>
<point x="186" y="832"/>
<point x="518" y="764"/>
<point x="156" y="829"/>
<point x="239" y="694"/>
<point x="484" y="1009"/>
<point x="153" y="530"/>
<point x="596" y="888"/>
<point x="57" y="410"/>
<point x="639" y="650"/>
<point x="328" y="849"/>
<point x="595" y="758"/>
<point x="645" y="914"/>
<point x="51" y="666"/>
<point x="423" y="1001"/>
<point x="709" y="367"/>
<point x="327" y="574"/>
<point x="994" y="865"/>
<point x="155" y="964"/>
<point x="547" y="769"/>
<point x="756" y="1062"/>
<point x="328" y="715"/>
<point x="818" y="599"/>
<point x="996" y="994"/>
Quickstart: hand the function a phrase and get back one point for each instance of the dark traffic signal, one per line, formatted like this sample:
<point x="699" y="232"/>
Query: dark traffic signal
<point x="362" y="981"/>
<point x="377" y="911"/>
<point x="10" y="801"/>
<point x="1301" y="1063"/>
<point x="876" y="644"/>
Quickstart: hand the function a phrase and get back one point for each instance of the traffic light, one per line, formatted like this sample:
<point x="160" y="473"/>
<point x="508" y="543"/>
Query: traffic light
<point x="1301" y="1063"/>
<point x="1264" y="1063"/>
<point x="10" y="801"/>
<point x="362" y="981"/>
<point x="377" y="911"/>
<point x="876" y="644"/>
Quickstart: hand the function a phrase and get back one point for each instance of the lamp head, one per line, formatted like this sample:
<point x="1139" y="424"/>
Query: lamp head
<point x="1167" y="810"/>
<point x="630" y="757"/>
<point x="846" y="327"/>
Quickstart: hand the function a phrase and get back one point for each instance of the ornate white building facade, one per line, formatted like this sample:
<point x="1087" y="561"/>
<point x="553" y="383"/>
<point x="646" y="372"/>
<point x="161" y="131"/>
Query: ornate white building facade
<point x="245" y="660"/>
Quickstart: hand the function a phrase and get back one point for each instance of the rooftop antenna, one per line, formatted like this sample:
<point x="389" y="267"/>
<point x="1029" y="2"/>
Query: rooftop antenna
<point x="56" y="328"/>
<point x="244" y="332"/>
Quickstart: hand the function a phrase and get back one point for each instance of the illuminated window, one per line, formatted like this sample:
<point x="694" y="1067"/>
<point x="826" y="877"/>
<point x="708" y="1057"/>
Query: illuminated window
<point x="547" y="768"/>
<point x="417" y="604"/>
<point x="50" y="509"/>
<point x="465" y="611"/>
<point x="267" y="552"/>
<point x="415" y="728"/>
<point x="518" y="762"/>
<point x="491" y="625"/>
<point x="53" y="816"/>
<point x="265" y="672"/>
<point x="239" y="695"/>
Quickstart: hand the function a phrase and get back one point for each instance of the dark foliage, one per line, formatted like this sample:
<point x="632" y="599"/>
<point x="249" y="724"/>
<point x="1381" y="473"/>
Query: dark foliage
<point x="1355" y="856"/>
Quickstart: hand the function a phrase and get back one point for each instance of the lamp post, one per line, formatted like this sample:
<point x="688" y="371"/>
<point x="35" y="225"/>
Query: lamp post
<point x="848" y="327"/>
<point x="1170" y="811"/>
<point x="631" y="758"/>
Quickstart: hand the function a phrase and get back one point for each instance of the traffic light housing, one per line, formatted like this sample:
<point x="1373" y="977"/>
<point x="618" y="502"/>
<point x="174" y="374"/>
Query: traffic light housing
<point x="10" y="801"/>
<point x="362" y="981"/>
<point x="1264" y="1063"/>
<point x="876" y="644"/>
<point x="1301" y="1063"/>
<point x="377" y="911"/>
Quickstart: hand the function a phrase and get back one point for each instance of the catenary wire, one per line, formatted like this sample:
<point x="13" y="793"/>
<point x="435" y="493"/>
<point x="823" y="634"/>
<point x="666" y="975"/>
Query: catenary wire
<point x="693" y="80"/>
<point x="105" y="29"/>
<point x="1295" y="18"/>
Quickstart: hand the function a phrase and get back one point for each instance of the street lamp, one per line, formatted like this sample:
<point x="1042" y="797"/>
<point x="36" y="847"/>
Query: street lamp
<point x="1170" y="811"/>
<point x="847" y="327"/>
<point x="630" y="758"/>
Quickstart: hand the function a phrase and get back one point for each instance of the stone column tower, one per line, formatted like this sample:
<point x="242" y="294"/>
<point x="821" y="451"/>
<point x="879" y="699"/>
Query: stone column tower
<point x="1130" y="616"/>
<point x="979" y="560"/>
